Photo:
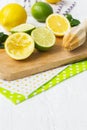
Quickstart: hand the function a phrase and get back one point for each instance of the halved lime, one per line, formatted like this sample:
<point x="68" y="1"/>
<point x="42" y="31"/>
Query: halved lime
<point x="27" y="28"/>
<point x="44" y="38"/>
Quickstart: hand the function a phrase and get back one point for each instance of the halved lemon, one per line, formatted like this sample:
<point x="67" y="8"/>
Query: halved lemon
<point x="58" y="24"/>
<point x="19" y="46"/>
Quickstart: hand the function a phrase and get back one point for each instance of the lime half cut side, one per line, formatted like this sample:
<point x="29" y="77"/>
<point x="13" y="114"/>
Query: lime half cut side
<point x="44" y="38"/>
<point x="27" y="28"/>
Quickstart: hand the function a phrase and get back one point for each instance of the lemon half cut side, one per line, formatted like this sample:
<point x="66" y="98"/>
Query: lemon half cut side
<point x="58" y="24"/>
<point x="19" y="46"/>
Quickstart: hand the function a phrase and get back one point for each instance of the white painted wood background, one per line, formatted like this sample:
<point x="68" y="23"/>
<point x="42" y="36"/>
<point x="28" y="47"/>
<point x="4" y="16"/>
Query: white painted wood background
<point x="63" y="107"/>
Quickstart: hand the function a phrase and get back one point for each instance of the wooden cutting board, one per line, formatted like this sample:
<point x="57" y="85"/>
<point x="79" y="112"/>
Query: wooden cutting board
<point x="39" y="61"/>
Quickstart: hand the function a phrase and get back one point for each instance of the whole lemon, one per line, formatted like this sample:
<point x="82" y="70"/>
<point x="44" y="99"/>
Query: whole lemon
<point x="53" y="1"/>
<point x="12" y="15"/>
<point x="41" y="10"/>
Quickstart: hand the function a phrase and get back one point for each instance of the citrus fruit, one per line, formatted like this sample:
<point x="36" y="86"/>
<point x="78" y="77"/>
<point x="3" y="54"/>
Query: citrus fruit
<point x="41" y="10"/>
<point x="58" y="24"/>
<point x="19" y="46"/>
<point x="12" y="15"/>
<point x="44" y="38"/>
<point x="53" y="1"/>
<point x="27" y="28"/>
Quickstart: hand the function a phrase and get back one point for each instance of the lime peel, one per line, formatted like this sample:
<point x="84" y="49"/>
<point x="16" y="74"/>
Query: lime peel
<point x="27" y="28"/>
<point x="41" y="10"/>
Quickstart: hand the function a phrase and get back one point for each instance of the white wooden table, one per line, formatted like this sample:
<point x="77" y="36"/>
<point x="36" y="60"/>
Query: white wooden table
<point x="63" y="107"/>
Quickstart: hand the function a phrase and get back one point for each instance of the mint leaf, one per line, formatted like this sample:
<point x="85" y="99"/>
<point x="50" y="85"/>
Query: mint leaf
<point x="3" y="37"/>
<point x="73" y="22"/>
<point x="1" y="46"/>
<point x="69" y="17"/>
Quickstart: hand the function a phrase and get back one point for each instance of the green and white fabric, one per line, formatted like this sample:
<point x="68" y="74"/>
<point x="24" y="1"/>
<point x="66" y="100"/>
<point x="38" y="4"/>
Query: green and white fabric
<point x="23" y="89"/>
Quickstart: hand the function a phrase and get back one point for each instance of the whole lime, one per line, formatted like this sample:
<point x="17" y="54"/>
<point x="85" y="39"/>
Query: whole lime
<point x="41" y="10"/>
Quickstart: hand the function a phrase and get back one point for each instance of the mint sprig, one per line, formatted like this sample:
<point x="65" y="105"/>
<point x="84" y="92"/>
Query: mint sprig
<point x="3" y="37"/>
<point x="73" y="22"/>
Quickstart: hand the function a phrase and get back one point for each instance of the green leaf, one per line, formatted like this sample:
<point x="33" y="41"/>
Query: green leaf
<point x="1" y="46"/>
<point x="3" y="37"/>
<point x="69" y="17"/>
<point x="73" y="22"/>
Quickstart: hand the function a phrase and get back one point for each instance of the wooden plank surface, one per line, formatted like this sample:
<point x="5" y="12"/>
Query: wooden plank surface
<point x="39" y="61"/>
